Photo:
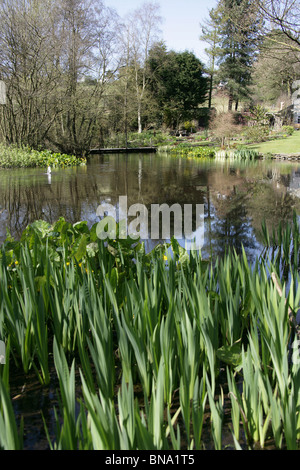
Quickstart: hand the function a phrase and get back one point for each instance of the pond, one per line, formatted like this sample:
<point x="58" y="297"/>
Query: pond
<point x="237" y="196"/>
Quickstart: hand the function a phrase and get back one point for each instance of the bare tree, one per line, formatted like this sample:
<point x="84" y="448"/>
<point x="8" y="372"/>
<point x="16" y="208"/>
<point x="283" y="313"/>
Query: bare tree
<point x="141" y="31"/>
<point x="28" y="68"/>
<point x="56" y="58"/>
<point x="283" y="16"/>
<point x="224" y="127"/>
<point x="88" y="62"/>
<point x="275" y="71"/>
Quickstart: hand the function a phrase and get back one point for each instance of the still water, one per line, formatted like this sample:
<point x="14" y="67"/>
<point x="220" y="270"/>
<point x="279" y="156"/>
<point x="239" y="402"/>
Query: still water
<point x="236" y="196"/>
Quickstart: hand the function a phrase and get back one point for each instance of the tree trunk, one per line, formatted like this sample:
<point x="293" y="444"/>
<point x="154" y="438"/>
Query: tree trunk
<point x="210" y="90"/>
<point x="139" y="118"/>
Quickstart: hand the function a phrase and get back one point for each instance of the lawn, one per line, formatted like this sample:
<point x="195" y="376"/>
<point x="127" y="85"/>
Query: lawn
<point x="286" y="145"/>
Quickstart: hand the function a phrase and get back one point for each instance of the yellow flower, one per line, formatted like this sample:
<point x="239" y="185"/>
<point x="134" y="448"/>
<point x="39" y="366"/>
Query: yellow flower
<point x="165" y="258"/>
<point x="16" y="262"/>
<point x="68" y="264"/>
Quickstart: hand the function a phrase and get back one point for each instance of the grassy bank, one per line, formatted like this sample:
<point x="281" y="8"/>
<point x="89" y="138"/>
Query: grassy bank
<point x="280" y="144"/>
<point x="151" y="351"/>
<point x="287" y="145"/>
<point x="16" y="157"/>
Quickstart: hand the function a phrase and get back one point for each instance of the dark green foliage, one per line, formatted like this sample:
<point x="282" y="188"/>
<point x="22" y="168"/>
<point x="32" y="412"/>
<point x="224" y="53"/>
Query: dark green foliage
<point x="12" y="156"/>
<point x="140" y="343"/>
<point x="194" y="152"/>
<point x="177" y="84"/>
<point x="238" y="33"/>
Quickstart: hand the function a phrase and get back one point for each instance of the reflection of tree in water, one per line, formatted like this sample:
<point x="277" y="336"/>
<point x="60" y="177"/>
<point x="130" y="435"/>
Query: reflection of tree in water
<point x="230" y="225"/>
<point x="76" y="195"/>
<point x="239" y="206"/>
<point x="23" y="205"/>
<point x="273" y="204"/>
<point x="236" y="199"/>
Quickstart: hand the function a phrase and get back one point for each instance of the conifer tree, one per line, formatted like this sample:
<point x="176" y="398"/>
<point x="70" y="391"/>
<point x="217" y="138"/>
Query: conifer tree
<point x="210" y="34"/>
<point x="238" y="33"/>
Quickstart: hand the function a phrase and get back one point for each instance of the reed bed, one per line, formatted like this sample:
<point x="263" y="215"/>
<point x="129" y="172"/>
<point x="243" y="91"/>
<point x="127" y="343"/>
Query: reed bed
<point x="237" y="154"/>
<point x="152" y="351"/>
<point x="208" y="152"/>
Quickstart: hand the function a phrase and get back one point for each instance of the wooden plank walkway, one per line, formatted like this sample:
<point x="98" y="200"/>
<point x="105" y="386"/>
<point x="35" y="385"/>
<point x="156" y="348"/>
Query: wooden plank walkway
<point x="124" y="150"/>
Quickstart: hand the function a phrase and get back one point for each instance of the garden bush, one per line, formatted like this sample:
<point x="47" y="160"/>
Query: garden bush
<point x="189" y="126"/>
<point x="256" y="133"/>
<point x="289" y="130"/>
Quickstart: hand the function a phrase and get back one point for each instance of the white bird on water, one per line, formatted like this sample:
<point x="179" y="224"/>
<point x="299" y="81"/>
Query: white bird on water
<point x="49" y="174"/>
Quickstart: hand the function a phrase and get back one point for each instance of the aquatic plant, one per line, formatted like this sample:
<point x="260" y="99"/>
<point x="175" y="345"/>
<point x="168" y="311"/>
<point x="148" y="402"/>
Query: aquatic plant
<point x="238" y="154"/>
<point x="11" y="438"/>
<point x="144" y="345"/>
<point x="186" y="150"/>
<point x="25" y="157"/>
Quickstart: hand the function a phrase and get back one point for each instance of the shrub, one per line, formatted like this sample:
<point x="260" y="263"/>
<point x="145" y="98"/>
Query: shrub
<point x="189" y="126"/>
<point x="145" y="139"/>
<point x="224" y="128"/>
<point x="289" y="130"/>
<point x="257" y="133"/>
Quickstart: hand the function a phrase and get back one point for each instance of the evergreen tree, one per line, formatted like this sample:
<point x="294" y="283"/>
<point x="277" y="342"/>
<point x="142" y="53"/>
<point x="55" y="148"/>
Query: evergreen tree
<point x="238" y="33"/>
<point x="177" y="84"/>
<point x="210" y="34"/>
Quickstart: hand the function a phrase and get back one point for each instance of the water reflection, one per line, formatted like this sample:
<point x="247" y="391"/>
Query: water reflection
<point x="236" y="197"/>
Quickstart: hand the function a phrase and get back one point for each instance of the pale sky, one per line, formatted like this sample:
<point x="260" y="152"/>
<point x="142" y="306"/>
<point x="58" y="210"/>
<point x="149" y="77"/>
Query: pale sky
<point x="181" y="21"/>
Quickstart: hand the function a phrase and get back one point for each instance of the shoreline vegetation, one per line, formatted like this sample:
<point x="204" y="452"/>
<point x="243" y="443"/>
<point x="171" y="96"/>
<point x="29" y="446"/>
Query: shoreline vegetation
<point x="150" y="351"/>
<point x="203" y="145"/>
<point x="25" y="157"/>
<point x="278" y="145"/>
<point x="194" y="146"/>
